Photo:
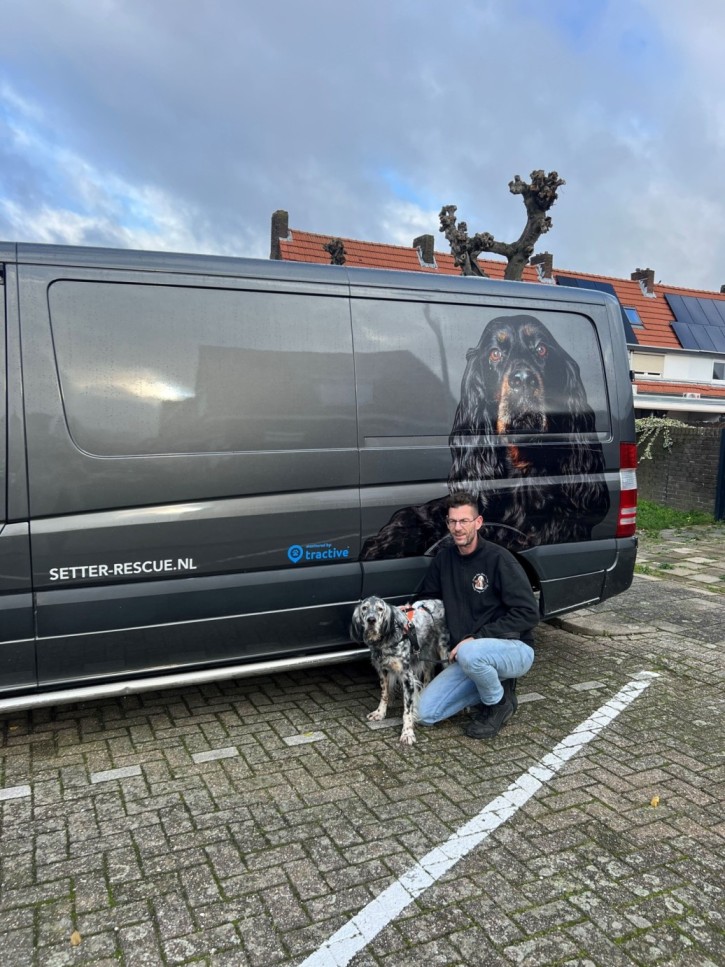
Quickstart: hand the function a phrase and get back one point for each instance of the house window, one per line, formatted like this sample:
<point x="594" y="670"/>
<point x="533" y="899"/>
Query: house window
<point x="633" y="316"/>
<point x="647" y="364"/>
<point x="718" y="370"/>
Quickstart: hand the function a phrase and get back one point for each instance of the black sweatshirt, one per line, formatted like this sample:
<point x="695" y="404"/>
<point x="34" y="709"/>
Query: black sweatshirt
<point x="486" y="594"/>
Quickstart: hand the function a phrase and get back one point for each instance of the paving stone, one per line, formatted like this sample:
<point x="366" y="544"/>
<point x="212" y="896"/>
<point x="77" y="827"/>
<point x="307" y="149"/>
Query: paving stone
<point x="542" y="918"/>
<point x="139" y="945"/>
<point x="18" y="947"/>
<point x="193" y="945"/>
<point x="542" y="950"/>
<point x="258" y="858"/>
<point x="173" y="916"/>
<point x="596" y="945"/>
<point x="261" y="942"/>
<point x="438" y="953"/>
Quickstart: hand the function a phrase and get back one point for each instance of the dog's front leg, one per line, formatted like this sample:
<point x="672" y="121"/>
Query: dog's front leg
<point x="407" y="736"/>
<point x="382" y="709"/>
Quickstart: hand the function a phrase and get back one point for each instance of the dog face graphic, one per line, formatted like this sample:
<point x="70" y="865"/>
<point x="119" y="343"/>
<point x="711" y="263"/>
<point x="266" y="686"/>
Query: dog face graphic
<point x="518" y="379"/>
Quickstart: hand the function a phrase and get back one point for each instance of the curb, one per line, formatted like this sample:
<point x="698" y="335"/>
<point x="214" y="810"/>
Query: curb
<point x="581" y="623"/>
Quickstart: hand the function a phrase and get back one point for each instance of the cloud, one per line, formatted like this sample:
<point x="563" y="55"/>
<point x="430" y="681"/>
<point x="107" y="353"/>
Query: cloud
<point x="152" y="126"/>
<point x="72" y="202"/>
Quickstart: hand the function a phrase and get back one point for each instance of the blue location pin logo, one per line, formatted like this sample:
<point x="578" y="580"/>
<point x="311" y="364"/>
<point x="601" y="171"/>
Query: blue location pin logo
<point x="294" y="553"/>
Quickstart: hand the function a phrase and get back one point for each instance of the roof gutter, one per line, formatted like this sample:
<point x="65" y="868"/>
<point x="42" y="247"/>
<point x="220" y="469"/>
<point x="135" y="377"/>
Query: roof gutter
<point x="653" y="401"/>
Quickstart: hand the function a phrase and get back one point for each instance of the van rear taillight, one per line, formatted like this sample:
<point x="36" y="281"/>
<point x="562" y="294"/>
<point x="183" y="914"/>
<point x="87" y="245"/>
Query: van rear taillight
<point x="627" y="519"/>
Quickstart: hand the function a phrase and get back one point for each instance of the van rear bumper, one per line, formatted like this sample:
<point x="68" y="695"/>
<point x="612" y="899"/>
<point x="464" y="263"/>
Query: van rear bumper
<point x="572" y="576"/>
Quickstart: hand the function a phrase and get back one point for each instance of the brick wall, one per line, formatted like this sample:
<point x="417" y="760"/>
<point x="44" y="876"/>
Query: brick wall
<point x="685" y="477"/>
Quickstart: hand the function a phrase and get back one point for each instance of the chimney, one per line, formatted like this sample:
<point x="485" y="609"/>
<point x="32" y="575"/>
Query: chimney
<point x="545" y="266"/>
<point x="646" y="278"/>
<point x="426" y="250"/>
<point x="280" y="229"/>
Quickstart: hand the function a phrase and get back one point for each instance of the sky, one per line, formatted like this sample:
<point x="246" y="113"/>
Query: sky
<point x="181" y="126"/>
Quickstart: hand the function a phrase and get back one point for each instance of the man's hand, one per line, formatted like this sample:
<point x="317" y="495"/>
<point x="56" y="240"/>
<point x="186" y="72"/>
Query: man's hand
<point x="452" y="656"/>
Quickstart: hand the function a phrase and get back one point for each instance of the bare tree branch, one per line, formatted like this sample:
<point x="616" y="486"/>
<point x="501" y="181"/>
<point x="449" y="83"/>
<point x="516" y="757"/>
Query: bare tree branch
<point x="538" y="198"/>
<point x="336" y="250"/>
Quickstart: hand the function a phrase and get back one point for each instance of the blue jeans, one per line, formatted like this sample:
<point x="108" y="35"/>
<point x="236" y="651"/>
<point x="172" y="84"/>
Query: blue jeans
<point x="475" y="676"/>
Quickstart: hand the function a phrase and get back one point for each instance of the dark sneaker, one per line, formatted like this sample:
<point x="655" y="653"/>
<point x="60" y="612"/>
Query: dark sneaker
<point x="479" y="713"/>
<point x="489" y="725"/>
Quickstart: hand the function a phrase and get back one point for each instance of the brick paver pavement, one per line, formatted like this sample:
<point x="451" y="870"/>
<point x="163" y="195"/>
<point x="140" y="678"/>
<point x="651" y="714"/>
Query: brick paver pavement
<point x="244" y="823"/>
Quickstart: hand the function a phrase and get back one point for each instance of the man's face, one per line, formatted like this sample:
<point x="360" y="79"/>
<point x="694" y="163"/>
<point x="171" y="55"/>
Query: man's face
<point x="464" y="524"/>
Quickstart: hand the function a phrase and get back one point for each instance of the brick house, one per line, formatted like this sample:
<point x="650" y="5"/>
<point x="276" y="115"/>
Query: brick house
<point x="675" y="335"/>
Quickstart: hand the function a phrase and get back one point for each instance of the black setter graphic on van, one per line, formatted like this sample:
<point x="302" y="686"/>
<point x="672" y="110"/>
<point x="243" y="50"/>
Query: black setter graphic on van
<point x="522" y="420"/>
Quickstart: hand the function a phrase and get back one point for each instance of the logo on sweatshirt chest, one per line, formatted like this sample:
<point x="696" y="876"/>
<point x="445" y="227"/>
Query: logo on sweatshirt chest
<point x="479" y="583"/>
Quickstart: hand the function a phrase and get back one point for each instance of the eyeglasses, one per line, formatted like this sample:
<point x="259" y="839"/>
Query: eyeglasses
<point x="463" y="522"/>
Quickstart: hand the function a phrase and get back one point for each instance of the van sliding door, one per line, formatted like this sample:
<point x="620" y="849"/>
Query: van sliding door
<point x="193" y="470"/>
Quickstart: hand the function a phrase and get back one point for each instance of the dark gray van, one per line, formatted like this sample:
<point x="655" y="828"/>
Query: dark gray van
<point x="208" y="461"/>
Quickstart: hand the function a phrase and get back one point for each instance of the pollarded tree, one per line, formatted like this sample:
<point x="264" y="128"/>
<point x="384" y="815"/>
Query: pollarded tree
<point x="538" y="197"/>
<point x="336" y="250"/>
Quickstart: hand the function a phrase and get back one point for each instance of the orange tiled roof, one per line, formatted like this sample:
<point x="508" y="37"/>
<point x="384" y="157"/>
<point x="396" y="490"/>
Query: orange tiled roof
<point x="309" y="247"/>
<point x="655" y="313"/>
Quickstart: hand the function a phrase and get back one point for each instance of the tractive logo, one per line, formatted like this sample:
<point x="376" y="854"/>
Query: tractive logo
<point x="316" y="552"/>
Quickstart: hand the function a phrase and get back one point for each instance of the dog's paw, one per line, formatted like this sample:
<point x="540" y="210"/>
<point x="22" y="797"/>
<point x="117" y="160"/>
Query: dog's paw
<point x="407" y="737"/>
<point x="377" y="715"/>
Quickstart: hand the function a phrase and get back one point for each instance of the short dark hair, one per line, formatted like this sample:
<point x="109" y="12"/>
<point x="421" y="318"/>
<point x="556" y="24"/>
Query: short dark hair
<point x="462" y="498"/>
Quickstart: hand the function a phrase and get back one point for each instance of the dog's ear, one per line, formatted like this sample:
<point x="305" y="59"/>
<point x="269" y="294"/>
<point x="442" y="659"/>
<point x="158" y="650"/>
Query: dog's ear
<point x="356" y="626"/>
<point x="580" y="413"/>
<point x="475" y="416"/>
<point x="476" y="411"/>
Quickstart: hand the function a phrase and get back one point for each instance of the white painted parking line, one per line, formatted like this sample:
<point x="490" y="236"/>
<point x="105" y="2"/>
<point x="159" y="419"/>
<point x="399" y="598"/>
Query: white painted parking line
<point x="228" y="753"/>
<point x="14" y="792"/>
<point x="366" y="925"/>
<point x="587" y="686"/>
<point x="109" y="774"/>
<point x="304" y="738"/>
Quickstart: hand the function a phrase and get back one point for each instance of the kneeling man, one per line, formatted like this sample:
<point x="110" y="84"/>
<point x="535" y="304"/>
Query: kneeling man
<point x="491" y="612"/>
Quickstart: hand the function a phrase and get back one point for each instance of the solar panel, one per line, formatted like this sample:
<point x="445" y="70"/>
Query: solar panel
<point x="689" y="337"/>
<point x="697" y="311"/>
<point x="700" y="323"/>
<point x="680" y="310"/>
<point x="601" y="287"/>
<point x="717" y="334"/>
<point x="577" y="283"/>
<point x="712" y="309"/>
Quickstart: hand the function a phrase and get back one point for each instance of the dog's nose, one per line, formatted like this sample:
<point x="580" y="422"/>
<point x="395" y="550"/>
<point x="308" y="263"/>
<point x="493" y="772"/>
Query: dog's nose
<point x="523" y="379"/>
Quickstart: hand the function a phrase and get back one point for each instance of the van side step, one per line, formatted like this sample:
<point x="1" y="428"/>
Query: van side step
<point x="86" y="693"/>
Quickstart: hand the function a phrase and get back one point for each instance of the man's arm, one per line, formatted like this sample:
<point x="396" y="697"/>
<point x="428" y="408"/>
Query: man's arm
<point x="430" y="586"/>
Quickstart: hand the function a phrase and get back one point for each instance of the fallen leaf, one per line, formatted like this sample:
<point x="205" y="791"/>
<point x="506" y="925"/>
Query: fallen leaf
<point x="654" y="801"/>
<point x="75" y="938"/>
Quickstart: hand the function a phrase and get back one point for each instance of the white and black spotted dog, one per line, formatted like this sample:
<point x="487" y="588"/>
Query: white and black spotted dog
<point x="405" y="647"/>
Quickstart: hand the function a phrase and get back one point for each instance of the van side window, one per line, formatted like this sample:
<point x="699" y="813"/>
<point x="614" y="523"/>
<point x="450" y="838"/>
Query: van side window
<point x="150" y="369"/>
<point x="461" y="361"/>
